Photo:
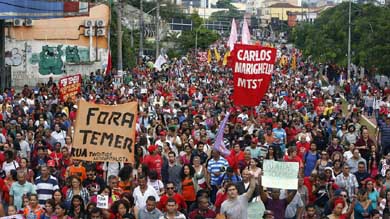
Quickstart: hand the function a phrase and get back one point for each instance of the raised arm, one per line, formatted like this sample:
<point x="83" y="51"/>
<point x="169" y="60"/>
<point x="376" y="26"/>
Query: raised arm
<point x="252" y="186"/>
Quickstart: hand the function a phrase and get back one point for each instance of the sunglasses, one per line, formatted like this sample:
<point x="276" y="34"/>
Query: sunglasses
<point x="343" y="195"/>
<point x="170" y="188"/>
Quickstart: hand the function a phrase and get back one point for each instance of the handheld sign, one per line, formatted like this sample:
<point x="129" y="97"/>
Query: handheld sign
<point x="280" y="175"/>
<point x="105" y="132"/>
<point x="16" y="216"/>
<point x="102" y="201"/>
<point x="69" y="86"/>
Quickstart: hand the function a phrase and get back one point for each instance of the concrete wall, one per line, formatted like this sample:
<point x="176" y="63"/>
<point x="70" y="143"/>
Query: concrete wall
<point x="55" y="48"/>
<point x="36" y="61"/>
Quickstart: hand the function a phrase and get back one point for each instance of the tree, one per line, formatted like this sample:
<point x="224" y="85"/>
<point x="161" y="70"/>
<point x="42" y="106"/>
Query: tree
<point x="327" y="38"/>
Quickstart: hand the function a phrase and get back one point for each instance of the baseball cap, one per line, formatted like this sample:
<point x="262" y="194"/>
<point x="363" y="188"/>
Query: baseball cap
<point x="152" y="148"/>
<point x="51" y="163"/>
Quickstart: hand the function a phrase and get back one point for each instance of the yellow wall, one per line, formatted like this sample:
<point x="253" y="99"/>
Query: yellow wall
<point x="281" y="13"/>
<point x="64" y="30"/>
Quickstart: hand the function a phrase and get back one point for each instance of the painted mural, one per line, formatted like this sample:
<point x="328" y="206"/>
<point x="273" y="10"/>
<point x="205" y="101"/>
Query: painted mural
<point x="34" y="62"/>
<point x="50" y="60"/>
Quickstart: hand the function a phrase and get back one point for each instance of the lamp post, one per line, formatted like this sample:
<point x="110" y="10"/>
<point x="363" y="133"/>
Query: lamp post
<point x="349" y="42"/>
<point x="141" y="30"/>
<point x="158" y="29"/>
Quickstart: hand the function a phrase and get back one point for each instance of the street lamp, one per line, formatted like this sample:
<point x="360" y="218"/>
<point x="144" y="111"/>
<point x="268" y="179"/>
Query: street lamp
<point x="157" y="8"/>
<point x="196" y="38"/>
<point x="349" y="42"/>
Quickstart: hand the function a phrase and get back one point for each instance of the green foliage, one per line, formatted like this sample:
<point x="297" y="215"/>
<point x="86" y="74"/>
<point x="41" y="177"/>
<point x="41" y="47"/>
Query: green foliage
<point x="327" y="38"/>
<point x="205" y="38"/>
<point x="129" y="54"/>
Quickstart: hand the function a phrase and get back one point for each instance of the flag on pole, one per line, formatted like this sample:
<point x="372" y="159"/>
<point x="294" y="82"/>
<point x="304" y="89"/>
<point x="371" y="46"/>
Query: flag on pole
<point x="233" y="35"/>
<point x="159" y="62"/>
<point x="225" y="58"/>
<point x="219" y="145"/>
<point x="245" y="34"/>
<point x="109" y="63"/>
<point x="217" y="55"/>
<point x="209" y="56"/>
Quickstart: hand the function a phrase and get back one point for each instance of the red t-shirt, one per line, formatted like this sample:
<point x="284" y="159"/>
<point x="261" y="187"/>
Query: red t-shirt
<point x="154" y="162"/>
<point x="179" y="201"/>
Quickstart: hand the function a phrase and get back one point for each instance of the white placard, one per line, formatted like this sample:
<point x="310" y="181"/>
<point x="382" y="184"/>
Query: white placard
<point x="102" y="201"/>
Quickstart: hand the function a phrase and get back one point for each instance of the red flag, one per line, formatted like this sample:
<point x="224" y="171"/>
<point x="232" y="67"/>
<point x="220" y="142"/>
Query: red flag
<point x="252" y="71"/>
<point x="109" y="62"/>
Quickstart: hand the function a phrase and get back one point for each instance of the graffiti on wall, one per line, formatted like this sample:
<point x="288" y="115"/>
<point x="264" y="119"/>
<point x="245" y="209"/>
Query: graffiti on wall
<point x="34" y="58"/>
<point x="13" y="57"/>
<point x="50" y="60"/>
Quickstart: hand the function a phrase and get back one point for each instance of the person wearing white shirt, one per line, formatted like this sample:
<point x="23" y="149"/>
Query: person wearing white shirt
<point x="143" y="191"/>
<point x="24" y="146"/>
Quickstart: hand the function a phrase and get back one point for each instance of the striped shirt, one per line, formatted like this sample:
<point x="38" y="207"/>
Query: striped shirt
<point x="214" y="167"/>
<point x="385" y="133"/>
<point x="45" y="188"/>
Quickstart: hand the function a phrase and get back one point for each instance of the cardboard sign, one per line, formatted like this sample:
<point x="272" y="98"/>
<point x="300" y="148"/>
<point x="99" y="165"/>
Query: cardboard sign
<point x="281" y="175"/>
<point x="69" y="86"/>
<point x="16" y="216"/>
<point x="105" y="132"/>
<point x="102" y="201"/>
<point x="252" y="72"/>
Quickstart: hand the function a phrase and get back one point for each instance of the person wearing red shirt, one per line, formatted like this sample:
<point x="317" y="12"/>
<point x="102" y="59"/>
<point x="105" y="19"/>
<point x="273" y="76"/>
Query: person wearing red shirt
<point x="302" y="146"/>
<point x="236" y="156"/>
<point x="293" y="157"/>
<point x="309" y="182"/>
<point x="154" y="160"/>
<point x="170" y="193"/>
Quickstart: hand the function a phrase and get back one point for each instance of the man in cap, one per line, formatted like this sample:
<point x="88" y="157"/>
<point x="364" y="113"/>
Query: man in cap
<point x="154" y="160"/>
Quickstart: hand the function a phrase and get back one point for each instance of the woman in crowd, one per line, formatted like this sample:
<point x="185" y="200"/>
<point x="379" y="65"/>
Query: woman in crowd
<point x="61" y="212"/>
<point x="76" y="188"/>
<point x="189" y="185"/>
<point x="363" y="206"/>
<point x="120" y="210"/>
<point x="323" y="162"/>
<point x="373" y="195"/>
<point x="33" y="210"/>
<point x="77" y="207"/>
<point x="200" y="172"/>
<point x="24" y="167"/>
<point x="49" y="209"/>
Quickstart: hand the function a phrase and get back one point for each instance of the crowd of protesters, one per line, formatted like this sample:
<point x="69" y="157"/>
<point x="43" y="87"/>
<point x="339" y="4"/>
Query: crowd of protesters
<point x="344" y="169"/>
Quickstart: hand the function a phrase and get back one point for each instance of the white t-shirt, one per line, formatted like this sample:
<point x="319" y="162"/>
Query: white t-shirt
<point x="157" y="185"/>
<point x="112" y="168"/>
<point x="24" y="148"/>
<point x="140" y="199"/>
<point x="7" y="167"/>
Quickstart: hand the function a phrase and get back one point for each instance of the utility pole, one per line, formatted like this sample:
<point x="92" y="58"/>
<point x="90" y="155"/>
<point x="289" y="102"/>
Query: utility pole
<point x="349" y="42"/>
<point x="141" y="30"/>
<point x="119" y="33"/>
<point x="3" y="82"/>
<point x="158" y="29"/>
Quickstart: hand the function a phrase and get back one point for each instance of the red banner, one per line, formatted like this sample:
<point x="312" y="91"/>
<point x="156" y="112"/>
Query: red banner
<point x="69" y="86"/>
<point x="252" y="72"/>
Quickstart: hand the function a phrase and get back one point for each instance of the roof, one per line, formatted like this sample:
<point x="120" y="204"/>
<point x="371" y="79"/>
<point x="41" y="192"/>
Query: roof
<point x="283" y="5"/>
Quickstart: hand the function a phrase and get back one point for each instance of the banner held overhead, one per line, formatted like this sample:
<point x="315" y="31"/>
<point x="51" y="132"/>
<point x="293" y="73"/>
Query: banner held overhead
<point x="252" y="72"/>
<point x="105" y="133"/>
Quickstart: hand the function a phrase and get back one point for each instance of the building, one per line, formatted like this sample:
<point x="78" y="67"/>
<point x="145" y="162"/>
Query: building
<point x="57" y="47"/>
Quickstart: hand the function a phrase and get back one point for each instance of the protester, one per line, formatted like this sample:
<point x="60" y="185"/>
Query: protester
<point x="299" y="119"/>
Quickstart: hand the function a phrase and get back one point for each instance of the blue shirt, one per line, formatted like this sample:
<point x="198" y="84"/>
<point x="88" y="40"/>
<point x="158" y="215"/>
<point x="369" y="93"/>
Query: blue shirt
<point x="17" y="191"/>
<point x="280" y="134"/>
